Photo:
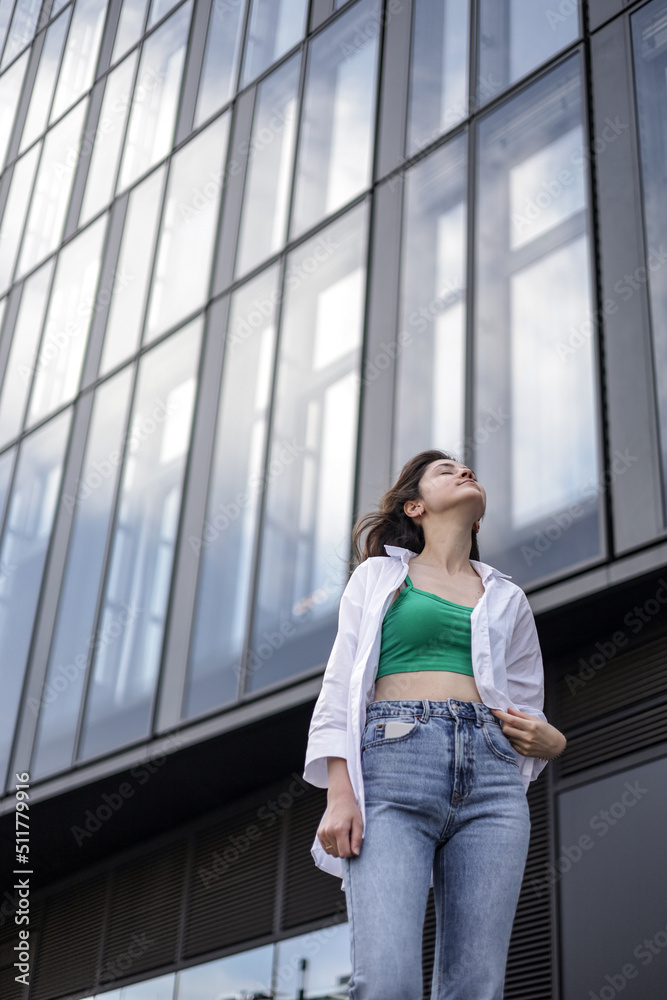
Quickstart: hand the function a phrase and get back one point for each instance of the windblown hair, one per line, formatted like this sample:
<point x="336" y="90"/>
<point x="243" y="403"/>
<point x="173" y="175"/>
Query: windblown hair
<point x="389" y="524"/>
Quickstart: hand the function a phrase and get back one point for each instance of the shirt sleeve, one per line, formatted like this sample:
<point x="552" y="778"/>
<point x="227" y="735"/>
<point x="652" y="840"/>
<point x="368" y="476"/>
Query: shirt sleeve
<point x="525" y="676"/>
<point x="327" y="735"/>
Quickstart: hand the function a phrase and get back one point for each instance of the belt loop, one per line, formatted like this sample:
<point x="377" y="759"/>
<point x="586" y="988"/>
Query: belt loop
<point x="479" y="721"/>
<point x="426" y="706"/>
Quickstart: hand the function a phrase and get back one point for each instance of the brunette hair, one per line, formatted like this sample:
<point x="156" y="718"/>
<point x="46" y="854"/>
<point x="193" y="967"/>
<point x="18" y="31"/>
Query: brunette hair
<point x="389" y="524"/>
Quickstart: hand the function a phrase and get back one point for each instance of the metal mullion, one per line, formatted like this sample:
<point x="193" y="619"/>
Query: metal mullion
<point x="301" y="89"/>
<point x="66" y="530"/>
<point x="207" y="332"/>
<point x="377" y="98"/>
<point x="13" y="278"/>
<point x="71" y="223"/>
<point x="7" y="35"/>
<point x="157" y="690"/>
<point x="205" y="488"/>
<point x="41" y="591"/>
<point x="154" y="255"/>
<point x="602" y="437"/>
<point x="181" y="89"/>
<point x="111" y="532"/>
<point x="235" y="255"/>
<point x="24" y="428"/>
<point x="168" y="162"/>
<point x="261" y="505"/>
<point x="68" y="13"/>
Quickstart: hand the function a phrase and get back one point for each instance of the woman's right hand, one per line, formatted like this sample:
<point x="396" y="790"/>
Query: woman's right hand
<point x="340" y="827"/>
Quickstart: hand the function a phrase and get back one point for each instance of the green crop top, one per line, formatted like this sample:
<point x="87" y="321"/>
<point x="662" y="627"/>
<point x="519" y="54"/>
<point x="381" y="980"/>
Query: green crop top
<point x="422" y="631"/>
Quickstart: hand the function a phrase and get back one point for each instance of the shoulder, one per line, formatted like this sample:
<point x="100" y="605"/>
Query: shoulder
<point x="367" y="573"/>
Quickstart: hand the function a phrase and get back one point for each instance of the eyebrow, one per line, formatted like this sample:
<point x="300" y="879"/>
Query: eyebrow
<point x="453" y="463"/>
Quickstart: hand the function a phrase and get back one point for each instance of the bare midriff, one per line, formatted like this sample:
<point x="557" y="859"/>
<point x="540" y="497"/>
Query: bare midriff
<point x="436" y="685"/>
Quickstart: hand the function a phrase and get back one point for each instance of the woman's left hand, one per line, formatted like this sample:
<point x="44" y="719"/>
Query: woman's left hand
<point x="530" y="735"/>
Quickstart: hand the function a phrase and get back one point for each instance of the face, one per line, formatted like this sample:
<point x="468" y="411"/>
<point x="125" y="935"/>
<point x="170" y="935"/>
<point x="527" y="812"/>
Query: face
<point x="446" y="483"/>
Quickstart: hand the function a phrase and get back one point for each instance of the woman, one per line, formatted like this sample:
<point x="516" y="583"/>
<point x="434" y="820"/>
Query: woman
<point x="427" y="732"/>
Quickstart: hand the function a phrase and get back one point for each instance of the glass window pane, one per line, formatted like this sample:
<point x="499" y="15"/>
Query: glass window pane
<point x="16" y="207"/>
<point x="275" y="26"/>
<point x="327" y="955"/>
<point x="60" y="360"/>
<point x="611" y="927"/>
<point x="42" y="91"/>
<point x="46" y="218"/>
<point x="305" y="543"/>
<point x="158" y="9"/>
<point x="10" y="90"/>
<point x="337" y="127"/>
<point x="91" y="506"/>
<point x="23" y="553"/>
<point x="187" y="230"/>
<point x="83" y="43"/>
<point x="650" y="60"/>
<point x="130" y="27"/>
<point x="126" y="309"/>
<point x="516" y="36"/>
<point x="6" y="7"/>
<point x="152" y="118"/>
<point x="23" y="352"/>
<point x="6" y="466"/>
<point x="223" y="46"/>
<point x="22" y="30"/>
<point x="431" y="348"/>
<point x="226" y="547"/>
<point x="269" y="175"/>
<point x="101" y="179"/>
<point x="536" y="423"/>
<point x="246" y="973"/>
<point x="438" y="69"/>
<point x="150" y="989"/>
<point x="124" y="675"/>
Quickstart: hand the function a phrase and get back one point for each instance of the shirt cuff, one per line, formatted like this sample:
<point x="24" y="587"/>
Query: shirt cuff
<point x="320" y="746"/>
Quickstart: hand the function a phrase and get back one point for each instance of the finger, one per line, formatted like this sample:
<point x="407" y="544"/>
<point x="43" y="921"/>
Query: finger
<point x="356" y="838"/>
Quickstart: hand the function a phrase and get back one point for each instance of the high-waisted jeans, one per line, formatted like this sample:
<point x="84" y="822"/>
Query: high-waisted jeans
<point x="446" y="794"/>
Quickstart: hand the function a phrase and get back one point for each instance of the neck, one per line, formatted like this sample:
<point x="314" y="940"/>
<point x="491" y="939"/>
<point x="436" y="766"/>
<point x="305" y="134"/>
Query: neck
<point x="447" y="549"/>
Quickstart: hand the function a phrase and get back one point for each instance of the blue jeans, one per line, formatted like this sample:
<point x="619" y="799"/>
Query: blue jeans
<point x="446" y="794"/>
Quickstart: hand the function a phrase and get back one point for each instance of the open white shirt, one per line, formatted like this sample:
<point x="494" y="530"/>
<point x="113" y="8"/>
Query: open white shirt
<point x="506" y="660"/>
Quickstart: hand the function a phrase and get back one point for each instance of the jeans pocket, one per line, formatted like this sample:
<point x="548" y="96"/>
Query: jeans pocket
<point x="383" y="732"/>
<point x="499" y="743"/>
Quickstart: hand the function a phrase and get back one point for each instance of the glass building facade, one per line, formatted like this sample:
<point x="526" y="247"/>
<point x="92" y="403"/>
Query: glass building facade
<point x="254" y="255"/>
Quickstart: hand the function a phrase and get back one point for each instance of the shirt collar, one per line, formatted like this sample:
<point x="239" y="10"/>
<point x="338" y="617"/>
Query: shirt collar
<point x="484" y="569"/>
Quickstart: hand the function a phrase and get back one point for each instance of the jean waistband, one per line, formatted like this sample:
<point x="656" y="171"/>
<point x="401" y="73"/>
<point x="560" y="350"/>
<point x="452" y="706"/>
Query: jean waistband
<point x="425" y="707"/>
